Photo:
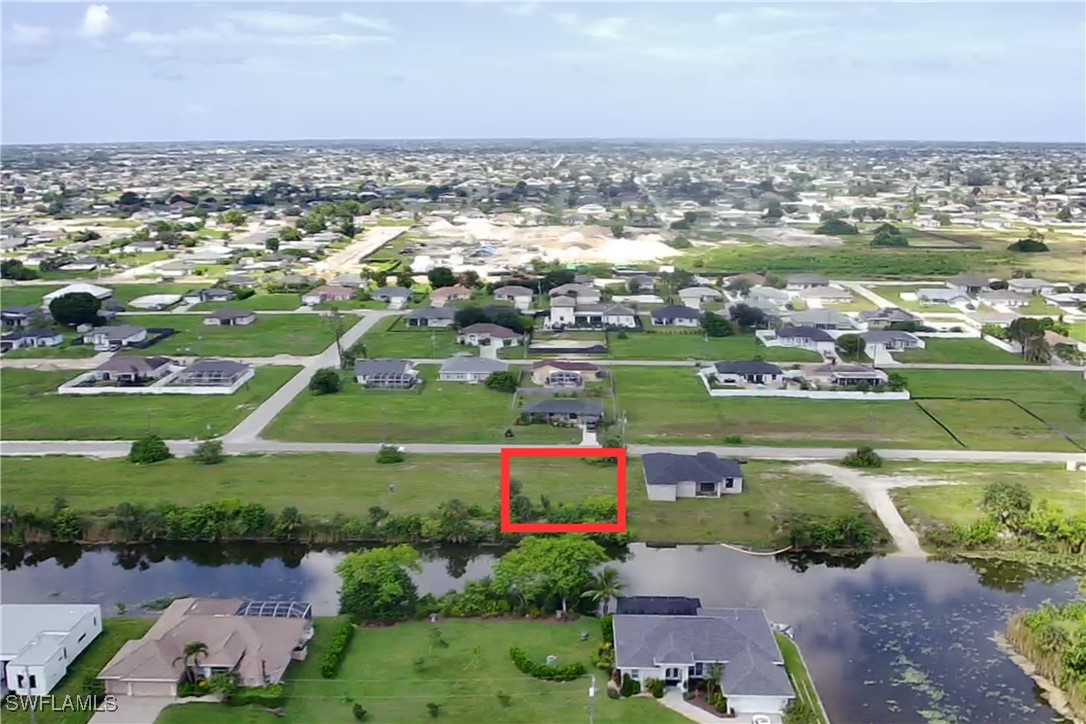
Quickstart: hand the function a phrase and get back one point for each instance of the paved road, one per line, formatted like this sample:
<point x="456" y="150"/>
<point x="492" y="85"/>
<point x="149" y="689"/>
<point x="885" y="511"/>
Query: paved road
<point x="251" y="444"/>
<point x="1023" y="368"/>
<point x="251" y="427"/>
<point x="348" y="259"/>
<point x="878" y="301"/>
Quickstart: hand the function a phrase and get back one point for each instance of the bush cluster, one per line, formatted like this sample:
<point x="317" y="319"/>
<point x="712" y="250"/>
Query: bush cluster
<point x="655" y="687"/>
<point x="337" y="649"/>
<point x="629" y="686"/>
<point x="566" y="672"/>
<point x="270" y="697"/>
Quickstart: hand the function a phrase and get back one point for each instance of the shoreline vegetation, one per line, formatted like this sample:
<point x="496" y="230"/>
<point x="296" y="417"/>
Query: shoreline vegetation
<point x="1053" y="639"/>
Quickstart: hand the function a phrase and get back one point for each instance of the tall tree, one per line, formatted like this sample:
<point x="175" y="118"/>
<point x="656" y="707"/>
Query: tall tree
<point x="544" y="569"/>
<point x="441" y="276"/>
<point x="75" y="309"/>
<point x="377" y="585"/>
<point x="190" y="656"/>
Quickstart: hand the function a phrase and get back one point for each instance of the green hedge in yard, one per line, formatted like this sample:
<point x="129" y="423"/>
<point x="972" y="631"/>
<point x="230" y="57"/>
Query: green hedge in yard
<point x="337" y="649"/>
<point x="523" y="662"/>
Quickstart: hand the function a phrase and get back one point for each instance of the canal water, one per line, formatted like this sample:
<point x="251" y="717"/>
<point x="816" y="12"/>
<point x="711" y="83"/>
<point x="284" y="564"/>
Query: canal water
<point x="887" y="639"/>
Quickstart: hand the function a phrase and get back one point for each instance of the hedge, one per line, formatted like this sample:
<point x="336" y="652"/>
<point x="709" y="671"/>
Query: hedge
<point x="271" y="697"/>
<point x="567" y="672"/>
<point x="337" y="649"/>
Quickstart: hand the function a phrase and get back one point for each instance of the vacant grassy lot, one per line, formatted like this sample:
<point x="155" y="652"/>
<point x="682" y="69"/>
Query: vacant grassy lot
<point x="32" y="410"/>
<point x="960" y="351"/>
<point x="25" y="296"/>
<point x="464" y="679"/>
<point x="669" y="405"/>
<point x="269" y="335"/>
<point x="393" y="338"/>
<point x="441" y="412"/>
<point x="127" y="292"/>
<point x="115" y="631"/>
<point x="1051" y="396"/>
<point x="347" y="484"/>
<point x="1039" y="307"/>
<point x="772" y="493"/>
<point x="686" y="345"/>
<point x="996" y="425"/>
<point x="959" y="500"/>
<point x="261" y="301"/>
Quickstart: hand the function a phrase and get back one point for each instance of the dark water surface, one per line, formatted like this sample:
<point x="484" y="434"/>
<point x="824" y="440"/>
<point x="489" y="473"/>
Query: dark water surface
<point x="887" y="639"/>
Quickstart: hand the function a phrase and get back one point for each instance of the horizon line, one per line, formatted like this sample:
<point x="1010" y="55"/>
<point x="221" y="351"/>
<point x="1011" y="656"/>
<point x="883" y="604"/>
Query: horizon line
<point x="642" y="139"/>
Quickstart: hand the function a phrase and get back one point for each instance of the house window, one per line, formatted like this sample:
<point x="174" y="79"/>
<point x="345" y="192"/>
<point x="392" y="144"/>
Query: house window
<point x="698" y="669"/>
<point x="33" y="682"/>
<point x="21" y="679"/>
<point x="634" y="674"/>
<point x="729" y="483"/>
<point x="80" y="640"/>
<point x="64" y="652"/>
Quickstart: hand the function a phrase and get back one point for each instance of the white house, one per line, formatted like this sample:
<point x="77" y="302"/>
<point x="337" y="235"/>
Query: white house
<point x="472" y="370"/>
<point x="39" y="640"/>
<point x="754" y="372"/>
<point x="890" y="340"/>
<point x="703" y="475"/>
<point x="816" y="340"/>
<point x="694" y="297"/>
<point x="567" y="312"/>
<point x="681" y="649"/>
<point x="582" y="293"/>
<point x="676" y="316"/>
<point x="486" y="334"/>
<point x="521" y="297"/>
<point x="78" y="288"/>
<point x="121" y="335"/>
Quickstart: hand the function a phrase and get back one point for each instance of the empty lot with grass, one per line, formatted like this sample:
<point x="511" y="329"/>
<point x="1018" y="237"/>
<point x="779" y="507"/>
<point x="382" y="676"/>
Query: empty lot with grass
<point x="772" y="494"/>
<point x="393" y="338"/>
<point x="269" y="335"/>
<point x="1051" y="396"/>
<point x="959" y="351"/>
<point x="440" y="412"/>
<point x="32" y="410"/>
<point x="261" y="301"/>
<point x="958" y="501"/>
<point x="347" y="484"/>
<point x="670" y="406"/>
<point x="694" y="345"/>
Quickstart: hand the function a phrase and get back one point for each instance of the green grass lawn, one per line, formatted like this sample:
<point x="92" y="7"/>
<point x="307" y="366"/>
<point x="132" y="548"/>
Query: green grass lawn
<point x="996" y="425"/>
<point x="393" y="338"/>
<point x="1077" y="330"/>
<point x="1052" y="396"/>
<point x="115" y="631"/>
<point x="348" y="484"/>
<point x="680" y="345"/>
<point x="772" y="493"/>
<point x="269" y="335"/>
<point x="801" y="678"/>
<point x="25" y="296"/>
<point x="959" y="500"/>
<point x="463" y="679"/>
<point x="669" y="405"/>
<point x="32" y="410"/>
<point x="959" y="351"/>
<point x="1039" y="307"/>
<point x="441" y="412"/>
<point x="261" y="301"/>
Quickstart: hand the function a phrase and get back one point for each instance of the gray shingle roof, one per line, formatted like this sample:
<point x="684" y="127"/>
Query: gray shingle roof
<point x="676" y="311"/>
<point x="753" y="367"/>
<point x="133" y="365"/>
<point x="432" y="313"/>
<point x="740" y="638"/>
<point x="815" y="335"/>
<point x="888" y="335"/>
<point x="702" y="467"/>
<point x="228" y="313"/>
<point x="493" y="330"/>
<point x="475" y="365"/>
<point x="389" y="293"/>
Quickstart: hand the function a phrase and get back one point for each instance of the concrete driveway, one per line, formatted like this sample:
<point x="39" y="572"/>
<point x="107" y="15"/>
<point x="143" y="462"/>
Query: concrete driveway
<point x="134" y="710"/>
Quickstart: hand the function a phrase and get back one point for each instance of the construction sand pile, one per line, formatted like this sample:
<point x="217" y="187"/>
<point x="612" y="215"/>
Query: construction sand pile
<point x="559" y="243"/>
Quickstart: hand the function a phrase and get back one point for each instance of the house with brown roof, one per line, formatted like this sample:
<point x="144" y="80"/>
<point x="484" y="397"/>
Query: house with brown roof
<point x="255" y="641"/>
<point x="444" y="295"/>
<point x="486" y="334"/>
<point x="327" y="293"/>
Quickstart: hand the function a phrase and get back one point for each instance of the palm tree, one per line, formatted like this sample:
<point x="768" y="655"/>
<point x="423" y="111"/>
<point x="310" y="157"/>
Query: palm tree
<point x="713" y="674"/>
<point x="605" y="587"/>
<point x="193" y="650"/>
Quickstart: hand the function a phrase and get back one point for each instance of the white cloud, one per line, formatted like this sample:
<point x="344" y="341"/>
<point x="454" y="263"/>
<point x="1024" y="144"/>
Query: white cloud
<point x="363" y="21"/>
<point x="97" y="22"/>
<point x="29" y="35"/>
<point x="603" y="29"/>
<point x="522" y="9"/>
<point x="275" y="21"/>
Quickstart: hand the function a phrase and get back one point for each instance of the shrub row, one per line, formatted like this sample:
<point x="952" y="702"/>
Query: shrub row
<point x="271" y="696"/>
<point x="567" y="672"/>
<point x="337" y="649"/>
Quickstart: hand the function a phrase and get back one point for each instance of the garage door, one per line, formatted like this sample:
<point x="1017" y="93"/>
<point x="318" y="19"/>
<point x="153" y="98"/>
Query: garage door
<point x="152" y="688"/>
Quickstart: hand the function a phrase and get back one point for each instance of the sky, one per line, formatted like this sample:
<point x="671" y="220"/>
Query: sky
<point x="173" y="71"/>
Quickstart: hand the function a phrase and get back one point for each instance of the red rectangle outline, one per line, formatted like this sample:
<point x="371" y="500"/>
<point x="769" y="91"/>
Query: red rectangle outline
<point x="507" y="455"/>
